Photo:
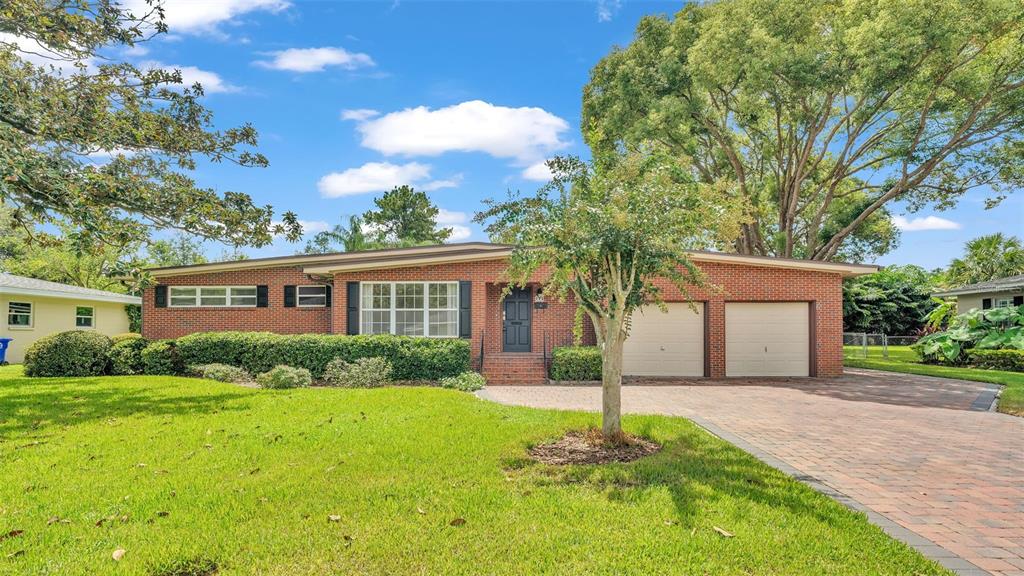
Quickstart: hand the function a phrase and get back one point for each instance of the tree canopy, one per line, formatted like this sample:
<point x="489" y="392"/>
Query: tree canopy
<point x="405" y="217"/>
<point x="603" y="234"/>
<point x="64" y="102"/>
<point x="820" y="114"/>
<point x="348" y="237"/>
<point x="987" y="258"/>
<point x="895" y="301"/>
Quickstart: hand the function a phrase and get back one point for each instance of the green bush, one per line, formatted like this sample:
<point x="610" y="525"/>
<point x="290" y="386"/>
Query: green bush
<point x="257" y="352"/>
<point x="125" y="336"/>
<point x="126" y="354"/>
<point x="285" y="377"/>
<point x="362" y="373"/>
<point x="467" y="382"/>
<point x="576" y="363"/>
<point x="72" y="353"/>
<point x="161" y="358"/>
<point x="220" y="373"/>
<point x="991" y="329"/>
<point x="1011" y="360"/>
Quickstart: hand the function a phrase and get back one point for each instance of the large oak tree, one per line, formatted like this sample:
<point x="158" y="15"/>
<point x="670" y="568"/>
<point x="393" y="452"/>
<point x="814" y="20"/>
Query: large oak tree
<point x="820" y="114"/>
<point x="63" y="100"/>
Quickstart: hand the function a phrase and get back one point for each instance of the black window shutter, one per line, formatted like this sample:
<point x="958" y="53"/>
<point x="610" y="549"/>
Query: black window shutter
<point x="465" y="309"/>
<point x="328" y="287"/>
<point x="262" y="301"/>
<point x="986" y="303"/>
<point x="160" y="296"/>
<point x="1018" y="300"/>
<point x="352" y="307"/>
<point x="289" y="296"/>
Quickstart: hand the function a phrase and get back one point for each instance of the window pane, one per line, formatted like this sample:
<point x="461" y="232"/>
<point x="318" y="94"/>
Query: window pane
<point x="409" y="296"/>
<point x="312" y="295"/>
<point x="83" y="321"/>
<point x="377" y="296"/>
<point x="214" y="300"/>
<point x="444" y="323"/>
<point x="444" y="296"/>
<point x="375" y="322"/>
<point x="83" y="311"/>
<point x="189" y="301"/>
<point x="243" y="296"/>
<point x="244" y="291"/>
<point x="183" y="296"/>
<point x="409" y="322"/>
<point x="182" y="291"/>
<point x="19" y="314"/>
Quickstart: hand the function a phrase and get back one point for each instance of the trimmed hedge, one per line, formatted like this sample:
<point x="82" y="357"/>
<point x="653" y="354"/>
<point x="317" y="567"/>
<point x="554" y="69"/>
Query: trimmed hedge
<point x="162" y="358"/>
<point x="257" y="352"/>
<point x="1010" y="360"/>
<point x="363" y="373"/>
<point x="71" y="353"/>
<point x="126" y="354"/>
<point x="576" y="363"/>
<point x="220" y="373"/>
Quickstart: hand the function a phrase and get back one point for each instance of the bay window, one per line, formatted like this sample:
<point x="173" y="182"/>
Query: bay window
<point x="410" y="308"/>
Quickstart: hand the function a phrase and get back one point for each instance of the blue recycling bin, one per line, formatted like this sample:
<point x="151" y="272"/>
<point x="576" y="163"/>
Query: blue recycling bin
<point x="4" y="342"/>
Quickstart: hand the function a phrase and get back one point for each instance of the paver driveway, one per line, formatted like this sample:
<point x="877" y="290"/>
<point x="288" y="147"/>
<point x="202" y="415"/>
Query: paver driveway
<point x="916" y="453"/>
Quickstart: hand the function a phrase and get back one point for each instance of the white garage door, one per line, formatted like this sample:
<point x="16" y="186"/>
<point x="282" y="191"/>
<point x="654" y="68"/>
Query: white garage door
<point x="767" y="339"/>
<point x="665" y="343"/>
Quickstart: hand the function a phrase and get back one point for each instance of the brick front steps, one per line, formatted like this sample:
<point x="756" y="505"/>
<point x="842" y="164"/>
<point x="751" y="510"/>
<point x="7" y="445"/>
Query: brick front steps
<point x="514" y="369"/>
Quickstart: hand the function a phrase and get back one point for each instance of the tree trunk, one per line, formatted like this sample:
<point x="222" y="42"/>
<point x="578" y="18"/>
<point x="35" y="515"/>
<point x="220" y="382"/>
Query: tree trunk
<point x="611" y="384"/>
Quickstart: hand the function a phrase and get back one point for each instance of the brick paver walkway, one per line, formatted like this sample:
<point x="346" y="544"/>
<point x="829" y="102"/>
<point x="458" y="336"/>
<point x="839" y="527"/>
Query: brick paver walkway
<point x="921" y="452"/>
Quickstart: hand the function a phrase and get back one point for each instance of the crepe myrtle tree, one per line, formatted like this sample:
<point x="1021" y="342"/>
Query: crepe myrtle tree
<point x="605" y="235"/>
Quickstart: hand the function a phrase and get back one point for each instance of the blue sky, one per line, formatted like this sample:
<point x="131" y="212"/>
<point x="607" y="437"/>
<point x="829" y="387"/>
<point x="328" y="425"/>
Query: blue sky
<point x="463" y="99"/>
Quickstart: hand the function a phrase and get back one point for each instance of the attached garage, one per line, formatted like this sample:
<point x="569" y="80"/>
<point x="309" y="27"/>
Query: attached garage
<point x="666" y="344"/>
<point x="767" y="339"/>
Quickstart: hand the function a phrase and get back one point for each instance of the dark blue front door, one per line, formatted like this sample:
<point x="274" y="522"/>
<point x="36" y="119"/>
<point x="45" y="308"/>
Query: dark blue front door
<point x="518" y="313"/>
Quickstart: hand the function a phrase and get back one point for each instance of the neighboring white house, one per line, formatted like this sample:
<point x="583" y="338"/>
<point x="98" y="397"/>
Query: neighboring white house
<point x="36" y="308"/>
<point x="997" y="293"/>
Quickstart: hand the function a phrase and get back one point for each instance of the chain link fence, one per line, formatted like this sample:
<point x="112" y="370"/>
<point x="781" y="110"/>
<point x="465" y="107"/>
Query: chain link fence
<point x="866" y="345"/>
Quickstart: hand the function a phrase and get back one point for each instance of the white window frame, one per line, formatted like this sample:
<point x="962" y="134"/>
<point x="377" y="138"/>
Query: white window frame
<point x="228" y="297"/>
<point x="298" y="296"/>
<point x="31" y="315"/>
<point x="1002" y="302"/>
<point x="91" y="316"/>
<point x="426" y="306"/>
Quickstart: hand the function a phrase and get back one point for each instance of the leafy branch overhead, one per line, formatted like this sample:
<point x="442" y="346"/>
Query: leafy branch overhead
<point x="820" y="115"/>
<point x="105" y="147"/>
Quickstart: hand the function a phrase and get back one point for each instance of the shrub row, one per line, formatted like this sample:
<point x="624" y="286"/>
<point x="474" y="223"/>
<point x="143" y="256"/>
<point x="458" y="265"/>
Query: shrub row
<point x="576" y="363"/>
<point x="86" y="353"/>
<point x="1010" y="360"/>
<point x="257" y="352"/>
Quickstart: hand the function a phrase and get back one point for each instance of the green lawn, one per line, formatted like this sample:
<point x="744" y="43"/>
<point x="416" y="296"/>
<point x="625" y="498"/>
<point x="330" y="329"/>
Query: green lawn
<point x="174" y="470"/>
<point x="903" y="359"/>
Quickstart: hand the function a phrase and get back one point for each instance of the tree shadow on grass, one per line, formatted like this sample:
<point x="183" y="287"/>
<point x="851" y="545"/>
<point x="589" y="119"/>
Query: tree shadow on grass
<point x="28" y="407"/>
<point x="697" y="471"/>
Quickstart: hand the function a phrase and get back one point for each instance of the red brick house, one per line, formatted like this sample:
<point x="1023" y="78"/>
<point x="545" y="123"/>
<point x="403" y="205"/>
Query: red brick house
<point x="771" y="316"/>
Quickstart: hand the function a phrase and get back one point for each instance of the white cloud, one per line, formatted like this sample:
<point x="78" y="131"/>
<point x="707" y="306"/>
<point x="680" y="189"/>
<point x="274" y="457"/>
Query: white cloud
<point x="606" y="9"/>
<point x="102" y="157"/>
<point x="452" y="182"/>
<point x="211" y="82"/>
<point x="314" y="226"/>
<point x="380" y="177"/>
<point x="538" y="171"/>
<point x="204" y="16"/>
<point x="926" y="223"/>
<point x="459" y="232"/>
<point x="315" y="59"/>
<point x="526" y="134"/>
<point x="359" y="114"/>
<point x="451" y="217"/>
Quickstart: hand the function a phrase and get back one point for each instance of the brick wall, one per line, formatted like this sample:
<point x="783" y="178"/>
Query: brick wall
<point x="175" y="322"/>
<point x="737" y="282"/>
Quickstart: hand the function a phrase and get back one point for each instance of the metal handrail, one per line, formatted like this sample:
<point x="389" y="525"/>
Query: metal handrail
<point x="482" y="340"/>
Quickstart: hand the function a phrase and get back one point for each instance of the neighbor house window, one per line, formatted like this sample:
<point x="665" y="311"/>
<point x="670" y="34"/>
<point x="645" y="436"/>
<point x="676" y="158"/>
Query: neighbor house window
<point x="213" y="296"/>
<point x="84" y="316"/>
<point x="410" y="308"/>
<point x="312" y="296"/>
<point x="1004" y="303"/>
<point x="19" y="314"/>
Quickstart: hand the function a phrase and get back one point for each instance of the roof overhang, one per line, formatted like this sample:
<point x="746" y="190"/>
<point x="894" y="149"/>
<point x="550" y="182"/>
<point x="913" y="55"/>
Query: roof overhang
<point x="327" y="264"/>
<point x="117" y="298"/>
<point x="969" y="291"/>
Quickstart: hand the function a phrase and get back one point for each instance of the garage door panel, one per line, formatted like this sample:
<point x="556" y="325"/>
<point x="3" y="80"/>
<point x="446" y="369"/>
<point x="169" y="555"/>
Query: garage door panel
<point x="767" y="339"/>
<point x="665" y="344"/>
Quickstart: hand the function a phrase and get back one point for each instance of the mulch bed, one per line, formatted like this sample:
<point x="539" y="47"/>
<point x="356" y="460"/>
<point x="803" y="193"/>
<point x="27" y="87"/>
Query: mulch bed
<point x="590" y="447"/>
